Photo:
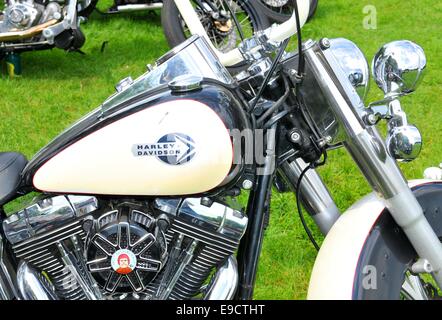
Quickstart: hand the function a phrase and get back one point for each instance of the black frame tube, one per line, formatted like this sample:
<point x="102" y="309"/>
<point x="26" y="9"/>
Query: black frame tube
<point x="258" y="203"/>
<point x="251" y="245"/>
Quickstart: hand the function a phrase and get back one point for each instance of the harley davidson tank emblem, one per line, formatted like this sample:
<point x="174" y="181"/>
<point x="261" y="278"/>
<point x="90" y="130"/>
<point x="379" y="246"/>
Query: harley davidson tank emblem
<point x="123" y="261"/>
<point x="173" y="148"/>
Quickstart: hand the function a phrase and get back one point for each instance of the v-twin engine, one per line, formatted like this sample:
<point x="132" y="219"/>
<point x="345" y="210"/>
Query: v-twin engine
<point x="81" y="247"/>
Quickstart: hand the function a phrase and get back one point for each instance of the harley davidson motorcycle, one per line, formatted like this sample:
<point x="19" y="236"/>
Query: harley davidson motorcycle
<point x="137" y="200"/>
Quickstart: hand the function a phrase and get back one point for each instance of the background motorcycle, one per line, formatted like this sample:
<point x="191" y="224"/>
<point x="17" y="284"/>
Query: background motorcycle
<point x="281" y="10"/>
<point x="226" y="22"/>
<point x="36" y="25"/>
<point x="44" y="26"/>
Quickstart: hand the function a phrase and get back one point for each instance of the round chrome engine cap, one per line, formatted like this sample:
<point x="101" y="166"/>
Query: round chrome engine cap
<point x="16" y="16"/>
<point x="19" y="14"/>
<point x="127" y="250"/>
<point x="123" y="261"/>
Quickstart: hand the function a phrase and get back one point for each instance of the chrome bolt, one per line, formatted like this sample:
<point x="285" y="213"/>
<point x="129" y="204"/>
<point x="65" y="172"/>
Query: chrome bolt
<point x="47" y="33"/>
<point x="57" y="15"/>
<point x="324" y="43"/>
<point x="295" y="137"/>
<point x="247" y="184"/>
<point x="323" y="142"/>
<point x="371" y="119"/>
<point x="293" y="72"/>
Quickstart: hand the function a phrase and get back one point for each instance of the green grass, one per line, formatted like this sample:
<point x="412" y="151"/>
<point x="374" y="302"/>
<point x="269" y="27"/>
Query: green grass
<point x="57" y="88"/>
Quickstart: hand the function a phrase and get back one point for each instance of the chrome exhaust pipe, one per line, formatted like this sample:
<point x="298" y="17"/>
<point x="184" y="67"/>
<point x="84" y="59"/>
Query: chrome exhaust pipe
<point x="32" y="285"/>
<point x="224" y="283"/>
<point x="139" y="7"/>
<point x="26" y="34"/>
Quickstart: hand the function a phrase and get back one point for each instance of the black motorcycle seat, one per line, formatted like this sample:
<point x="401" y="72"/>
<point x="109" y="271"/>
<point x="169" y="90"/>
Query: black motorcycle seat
<point x="11" y="166"/>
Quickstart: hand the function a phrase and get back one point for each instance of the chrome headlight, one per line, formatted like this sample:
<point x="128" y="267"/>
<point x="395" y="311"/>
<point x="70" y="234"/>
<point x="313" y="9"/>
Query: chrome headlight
<point x="352" y="61"/>
<point x="398" y="67"/>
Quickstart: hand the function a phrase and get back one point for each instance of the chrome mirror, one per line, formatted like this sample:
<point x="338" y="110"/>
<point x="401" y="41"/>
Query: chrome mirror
<point x="398" y="68"/>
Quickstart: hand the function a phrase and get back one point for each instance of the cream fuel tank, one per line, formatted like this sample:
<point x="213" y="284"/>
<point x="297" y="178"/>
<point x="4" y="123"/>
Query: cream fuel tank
<point x="166" y="133"/>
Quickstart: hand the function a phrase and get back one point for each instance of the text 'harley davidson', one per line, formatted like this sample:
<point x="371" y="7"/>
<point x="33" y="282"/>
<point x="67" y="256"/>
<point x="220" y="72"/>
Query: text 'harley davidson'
<point x="138" y="199"/>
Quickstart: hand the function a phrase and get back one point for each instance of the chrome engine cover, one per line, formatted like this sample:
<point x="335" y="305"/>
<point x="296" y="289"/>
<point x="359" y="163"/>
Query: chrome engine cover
<point x="172" y="246"/>
<point x="20" y="14"/>
<point x="127" y="235"/>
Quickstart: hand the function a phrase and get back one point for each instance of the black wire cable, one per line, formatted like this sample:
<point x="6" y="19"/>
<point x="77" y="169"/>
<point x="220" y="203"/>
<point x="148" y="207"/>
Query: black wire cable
<point x="298" y="204"/>
<point x="277" y="104"/>
<point x="301" y="59"/>
<point x="275" y="118"/>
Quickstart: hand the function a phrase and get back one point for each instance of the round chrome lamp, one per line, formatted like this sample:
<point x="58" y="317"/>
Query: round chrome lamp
<point x="404" y="143"/>
<point x="398" y="68"/>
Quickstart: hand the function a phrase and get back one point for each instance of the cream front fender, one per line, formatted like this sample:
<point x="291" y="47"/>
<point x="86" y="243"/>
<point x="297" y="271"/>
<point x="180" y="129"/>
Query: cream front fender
<point x="334" y="271"/>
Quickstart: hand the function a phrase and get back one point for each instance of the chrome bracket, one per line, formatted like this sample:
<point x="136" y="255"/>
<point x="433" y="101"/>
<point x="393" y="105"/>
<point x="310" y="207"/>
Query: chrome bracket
<point x="404" y="141"/>
<point x="257" y="47"/>
<point x="389" y="110"/>
<point x="70" y="21"/>
<point x="422" y="266"/>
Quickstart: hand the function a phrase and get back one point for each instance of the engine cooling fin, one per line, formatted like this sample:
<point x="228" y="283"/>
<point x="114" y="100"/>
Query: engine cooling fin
<point x="41" y="252"/>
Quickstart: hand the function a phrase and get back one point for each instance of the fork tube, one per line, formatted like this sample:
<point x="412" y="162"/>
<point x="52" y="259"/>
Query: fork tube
<point x="314" y="194"/>
<point x="382" y="172"/>
<point x="380" y="169"/>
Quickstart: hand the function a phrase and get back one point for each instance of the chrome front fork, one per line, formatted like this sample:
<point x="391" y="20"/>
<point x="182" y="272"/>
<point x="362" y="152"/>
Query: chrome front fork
<point x="369" y="152"/>
<point x="314" y="194"/>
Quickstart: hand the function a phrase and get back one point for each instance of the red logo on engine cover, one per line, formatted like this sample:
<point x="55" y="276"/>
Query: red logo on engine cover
<point x="123" y="261"/>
